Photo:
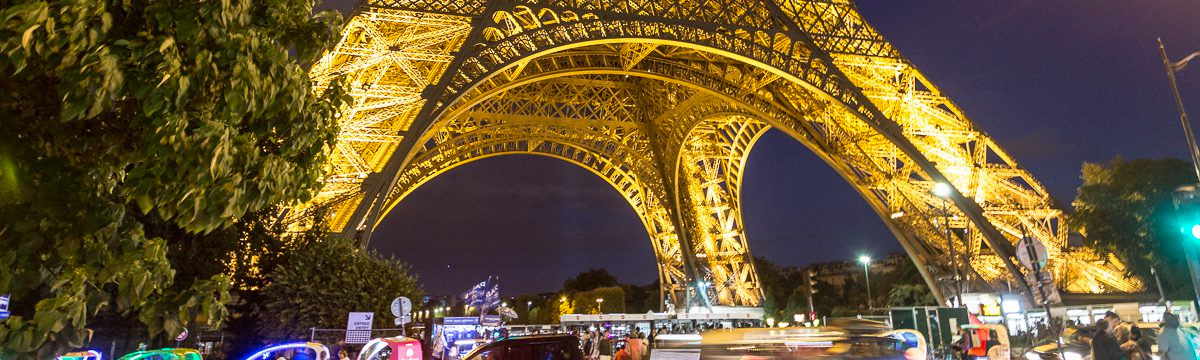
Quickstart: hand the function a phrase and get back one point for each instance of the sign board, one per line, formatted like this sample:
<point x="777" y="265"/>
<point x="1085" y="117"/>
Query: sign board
<point x="358" y="327"/>
<point x="182" y="336"/>
<point x="1044" y="290"/>
<point x="460" y="320"/>
<point x="1031" y="253"/>
<point x="491" y="320"/>
<point x="4" y="306"/>
<point x="401" y="306"/>
<point x="403" y="320"/>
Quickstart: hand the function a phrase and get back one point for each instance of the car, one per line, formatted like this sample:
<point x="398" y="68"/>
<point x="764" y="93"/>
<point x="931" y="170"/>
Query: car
<point x="391" y="348"/>
<point x="164" y="354"/>
<point x="676" y="347"/>
<point x="295" y="351"/>
<point x="540" y="347"/>
<point x="1077" y="343"/>
<point x="798" y="343"/>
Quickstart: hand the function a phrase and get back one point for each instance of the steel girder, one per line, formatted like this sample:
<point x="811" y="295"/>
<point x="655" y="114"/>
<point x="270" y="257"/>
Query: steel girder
<point x="663" y="99"/>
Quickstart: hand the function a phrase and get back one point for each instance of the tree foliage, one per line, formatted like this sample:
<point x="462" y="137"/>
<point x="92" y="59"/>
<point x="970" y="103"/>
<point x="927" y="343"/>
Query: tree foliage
<point x="1125" y="208"/>
<point x="910" y="295"/>
<point x="119" y="114"/>
<point x="588" y="280"/>
<point x="326" y="278"/>
<point x="614" y="300"/>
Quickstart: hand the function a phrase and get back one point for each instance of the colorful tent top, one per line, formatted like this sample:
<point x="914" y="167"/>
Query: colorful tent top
<point x="164" y="354"/>
<point x="82" y="355"/>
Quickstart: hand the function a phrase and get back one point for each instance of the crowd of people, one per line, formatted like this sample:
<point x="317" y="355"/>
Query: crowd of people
<point x="604" y="345"/>
<point x="1115" y="339"/>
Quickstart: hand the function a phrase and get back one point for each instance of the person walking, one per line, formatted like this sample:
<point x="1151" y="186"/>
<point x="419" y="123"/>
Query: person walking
<point x="1104" y="345"/>
<point x="606" y="349"/>
<point x="635" y="345"/>
<point x="1138" y="346"/>
<point x="1172" y="343"/>
<point x="622" y="354"/>
<point x="1117" y="327"/>
<point x="589" y="344"/>
<point x="594" y="354"/>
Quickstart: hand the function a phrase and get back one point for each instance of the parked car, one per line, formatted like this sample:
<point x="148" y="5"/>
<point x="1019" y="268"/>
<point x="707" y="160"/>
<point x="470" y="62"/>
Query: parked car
<point x="391" y="348"/>
<point x="294" y="351"/>
<point x="1077" y="343"/>
<point x="540" y="347"/>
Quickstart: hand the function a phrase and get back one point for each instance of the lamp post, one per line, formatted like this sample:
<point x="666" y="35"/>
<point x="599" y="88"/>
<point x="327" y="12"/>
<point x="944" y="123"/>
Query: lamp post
<point x="866" y="262"/>
<point x="600" y="306"/>
<point x="942" y="190"/>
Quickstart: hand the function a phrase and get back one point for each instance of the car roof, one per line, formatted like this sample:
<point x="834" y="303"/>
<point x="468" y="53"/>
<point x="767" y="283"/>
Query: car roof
<point x="521" y="340"/>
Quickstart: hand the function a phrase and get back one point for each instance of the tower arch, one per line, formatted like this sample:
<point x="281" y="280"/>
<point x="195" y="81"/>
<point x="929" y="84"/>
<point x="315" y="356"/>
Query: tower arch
<point x="427" y="74"/>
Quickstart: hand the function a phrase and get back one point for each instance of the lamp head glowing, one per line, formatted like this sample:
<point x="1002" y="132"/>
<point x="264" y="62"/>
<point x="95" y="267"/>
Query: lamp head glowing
<point x="942" y="190"/>
<point x="864" y="259"/>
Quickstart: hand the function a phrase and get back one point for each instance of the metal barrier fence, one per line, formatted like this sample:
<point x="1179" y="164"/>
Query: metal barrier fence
<point x="358" y="337"/>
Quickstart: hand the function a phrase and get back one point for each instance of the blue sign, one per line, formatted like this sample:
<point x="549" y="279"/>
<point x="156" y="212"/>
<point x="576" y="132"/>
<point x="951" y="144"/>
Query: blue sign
<point x="4" y="306"/>
<point x="464" y="320"/>
<point x="491" y="320"/>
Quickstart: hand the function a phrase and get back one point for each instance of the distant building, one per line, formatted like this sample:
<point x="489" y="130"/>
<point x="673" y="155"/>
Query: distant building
<point x="436" y="300"/>
<point x="837" y="272"/>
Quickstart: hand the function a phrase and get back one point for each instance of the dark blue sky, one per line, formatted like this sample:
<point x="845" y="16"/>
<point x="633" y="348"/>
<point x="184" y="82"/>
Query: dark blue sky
<point x="1056" y="83"/>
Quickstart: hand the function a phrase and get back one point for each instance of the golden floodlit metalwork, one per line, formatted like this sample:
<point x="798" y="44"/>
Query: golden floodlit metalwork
<point x="664" y="99"/>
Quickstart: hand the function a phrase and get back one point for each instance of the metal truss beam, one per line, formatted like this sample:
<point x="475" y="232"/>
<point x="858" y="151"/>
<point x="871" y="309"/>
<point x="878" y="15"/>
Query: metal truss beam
<point x="663" y="99"/>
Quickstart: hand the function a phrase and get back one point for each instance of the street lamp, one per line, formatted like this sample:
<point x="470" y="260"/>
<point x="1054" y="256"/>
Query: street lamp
<point x="942" y="190"/>
<point x="866" y="262"/>
<point x="600" y="306"/>
<point x="528" y="305"/>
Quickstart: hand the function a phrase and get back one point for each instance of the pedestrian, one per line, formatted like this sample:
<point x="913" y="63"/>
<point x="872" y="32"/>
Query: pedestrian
<point x="635" y="345"/>
<point x="1138" y="346"/>
<point x="1172" y="343"/>
<point x="1104" y="345"/>
<point x="622" y="354"/>
<point x="1117" y="327"/>
<point x="589" y="345"/>
<point x="342" y="355"/>
<point x="606" y="349"/>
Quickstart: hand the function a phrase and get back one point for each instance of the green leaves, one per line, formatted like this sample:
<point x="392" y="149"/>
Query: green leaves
<point x="122" y="116"/>
<point x="1125" y="208"/>
<point x="325" y="278"/>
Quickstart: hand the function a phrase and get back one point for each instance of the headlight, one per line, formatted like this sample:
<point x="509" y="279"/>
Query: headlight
<point x="1032" y="356"/>
<point x="1071" y="356"/>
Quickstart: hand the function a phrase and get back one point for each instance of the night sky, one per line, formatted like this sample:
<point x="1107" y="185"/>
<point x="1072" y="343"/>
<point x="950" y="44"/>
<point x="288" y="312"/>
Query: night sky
<point x="1056" y="83"/>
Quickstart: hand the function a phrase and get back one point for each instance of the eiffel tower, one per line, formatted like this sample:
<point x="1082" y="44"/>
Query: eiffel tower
<point x="664" y="99"/>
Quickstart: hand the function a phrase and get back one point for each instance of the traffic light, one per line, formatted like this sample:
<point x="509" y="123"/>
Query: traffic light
<point x="811" y="282"/>
<point x="1187" y="210"/>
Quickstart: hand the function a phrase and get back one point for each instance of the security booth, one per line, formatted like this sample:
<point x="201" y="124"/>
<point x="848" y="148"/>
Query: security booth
<point x="939" y="325"/>
<point x="453" y="337"/>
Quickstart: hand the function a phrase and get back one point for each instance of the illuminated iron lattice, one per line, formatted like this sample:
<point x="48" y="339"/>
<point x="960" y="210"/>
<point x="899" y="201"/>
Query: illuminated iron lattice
<point x="664" y="100"/>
